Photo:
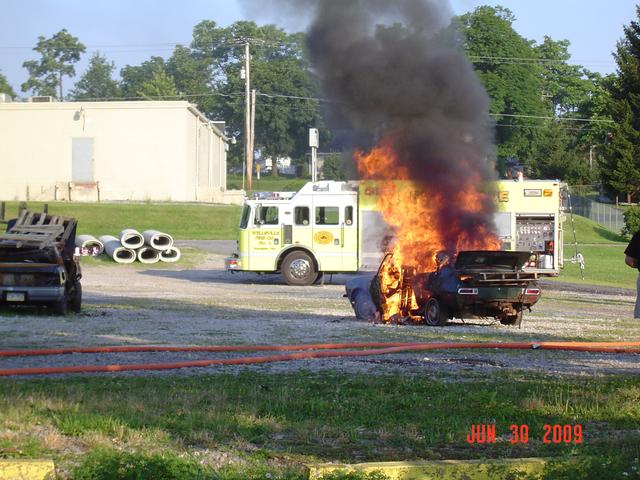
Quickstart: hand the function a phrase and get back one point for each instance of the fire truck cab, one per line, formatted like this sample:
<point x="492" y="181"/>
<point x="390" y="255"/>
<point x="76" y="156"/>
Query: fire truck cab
<point x="302" y="234"/>
<point x="331" y="227"/>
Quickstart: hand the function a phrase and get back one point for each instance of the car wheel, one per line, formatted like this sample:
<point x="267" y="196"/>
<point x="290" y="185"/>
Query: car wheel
<point x="435" y="313"/>
<point x="363" y="307"/>
<point x="61" y="306"/>
<point x="512" y="319"/>
<point x="76" y="299"/>
<point x="298" y="269"/>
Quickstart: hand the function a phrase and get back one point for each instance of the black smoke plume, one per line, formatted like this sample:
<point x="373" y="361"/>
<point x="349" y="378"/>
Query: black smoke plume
<point x="396" y="68"/>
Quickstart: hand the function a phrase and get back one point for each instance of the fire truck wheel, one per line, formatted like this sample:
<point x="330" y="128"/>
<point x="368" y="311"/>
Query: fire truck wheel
<point x="76" y="299"/>
<point x="435" y="314"/>
<point x="298" y="269"/>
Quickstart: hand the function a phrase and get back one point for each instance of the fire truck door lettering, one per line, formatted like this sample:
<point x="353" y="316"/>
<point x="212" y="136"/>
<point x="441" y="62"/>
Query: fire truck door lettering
<point x="265" y="239"/>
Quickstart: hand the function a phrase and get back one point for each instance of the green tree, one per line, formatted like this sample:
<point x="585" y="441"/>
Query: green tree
<point x="58" y="56"/>
<point x="159" y="86"/>
<point x="565" y="86"/>
<point x="97" y="81"/>
<point x="5" y="87"/>
<point x="279" y="71"/>
<point x="558" y="156"/>
<point x="332" y="167"/>
<point x="192" y="76"/>
<point x="595" y="105"/>
<point x="621" y="171"/>
<point x="631" y="221"/>
<point x="133" y="77"/>
<point x="515" y="86"/>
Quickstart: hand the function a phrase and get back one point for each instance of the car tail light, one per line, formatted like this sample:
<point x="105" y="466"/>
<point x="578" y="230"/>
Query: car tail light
<point x="532" y="291"/>
<point x="467" y="291"/>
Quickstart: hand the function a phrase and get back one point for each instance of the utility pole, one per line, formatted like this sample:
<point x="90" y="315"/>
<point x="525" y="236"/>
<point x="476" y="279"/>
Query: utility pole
<point x="247" y="117"/>
<point x="252" y="124"/>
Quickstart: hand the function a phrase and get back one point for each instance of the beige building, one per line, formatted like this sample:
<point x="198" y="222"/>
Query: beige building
<point x="90" y="151"/>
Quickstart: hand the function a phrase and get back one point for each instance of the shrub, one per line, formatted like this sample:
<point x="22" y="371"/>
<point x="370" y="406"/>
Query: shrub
<point x="631" y="221"/>
<point x="112" y="465"/>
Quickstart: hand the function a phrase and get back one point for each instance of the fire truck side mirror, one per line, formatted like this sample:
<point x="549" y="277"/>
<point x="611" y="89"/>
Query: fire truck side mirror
<point x="259" y="220"/>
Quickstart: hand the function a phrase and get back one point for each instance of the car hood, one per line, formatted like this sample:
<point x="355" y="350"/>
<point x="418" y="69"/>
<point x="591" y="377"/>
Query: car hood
<point x="491" y="259"/>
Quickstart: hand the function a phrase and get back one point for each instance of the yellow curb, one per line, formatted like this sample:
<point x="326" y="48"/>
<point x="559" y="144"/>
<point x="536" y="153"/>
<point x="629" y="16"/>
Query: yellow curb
<point x="26" y="469"/>
<point x="439" y="469"/>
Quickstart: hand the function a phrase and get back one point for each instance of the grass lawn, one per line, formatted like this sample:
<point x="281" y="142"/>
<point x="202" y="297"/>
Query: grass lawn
<point x="603" y="251"/>
<point x="588" y="231"/>
<point x="268" y="183"/>
<point x="182" y="221"/>
<point x="273" y="424"/>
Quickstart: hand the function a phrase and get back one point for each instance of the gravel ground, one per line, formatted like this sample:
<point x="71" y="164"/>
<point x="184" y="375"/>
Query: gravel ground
<point x="204" y="305"/>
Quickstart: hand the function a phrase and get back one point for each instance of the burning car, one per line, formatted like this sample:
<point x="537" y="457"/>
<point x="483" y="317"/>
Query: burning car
<point x="479" y="283"/>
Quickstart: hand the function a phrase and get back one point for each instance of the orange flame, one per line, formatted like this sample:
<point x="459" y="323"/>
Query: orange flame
<point x="419" y="217"/>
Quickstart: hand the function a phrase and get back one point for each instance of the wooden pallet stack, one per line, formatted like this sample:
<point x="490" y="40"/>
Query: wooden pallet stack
<point x="33" y="229"/>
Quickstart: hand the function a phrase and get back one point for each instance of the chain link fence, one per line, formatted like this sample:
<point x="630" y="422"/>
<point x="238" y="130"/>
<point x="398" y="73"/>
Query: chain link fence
<point x="586" y="204"/>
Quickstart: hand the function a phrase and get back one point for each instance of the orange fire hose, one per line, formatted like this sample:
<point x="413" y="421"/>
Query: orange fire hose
<point x="209" y="348"/>
<point x="385" y="348"/>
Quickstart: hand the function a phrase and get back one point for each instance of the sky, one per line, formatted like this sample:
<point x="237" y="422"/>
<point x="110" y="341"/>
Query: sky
<point x="130" y="31"/>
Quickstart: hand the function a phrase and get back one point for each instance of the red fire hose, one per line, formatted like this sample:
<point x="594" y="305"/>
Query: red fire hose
<point x="375" y="348"/>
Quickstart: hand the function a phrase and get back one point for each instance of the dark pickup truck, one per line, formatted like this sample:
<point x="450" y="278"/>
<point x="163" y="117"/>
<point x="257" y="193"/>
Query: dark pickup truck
<point x="37" y="263"/>
<point x="466" y="284"/>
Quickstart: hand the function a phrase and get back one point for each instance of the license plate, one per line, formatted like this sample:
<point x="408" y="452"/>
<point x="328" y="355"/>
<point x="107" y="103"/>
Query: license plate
<point x="15" y="297"/>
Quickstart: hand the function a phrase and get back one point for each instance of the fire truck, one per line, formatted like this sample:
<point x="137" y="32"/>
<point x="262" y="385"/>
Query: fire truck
<point x="334" y="227"/>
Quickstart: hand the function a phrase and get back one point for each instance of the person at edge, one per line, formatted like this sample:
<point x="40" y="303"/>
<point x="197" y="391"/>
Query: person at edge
<point x="632" y="259"/>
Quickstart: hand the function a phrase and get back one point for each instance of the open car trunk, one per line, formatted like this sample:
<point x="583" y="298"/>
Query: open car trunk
<point x="487" y="259"/>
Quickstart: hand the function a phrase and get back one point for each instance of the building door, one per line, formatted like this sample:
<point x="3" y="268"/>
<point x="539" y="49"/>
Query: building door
<point x="82" y="160"/>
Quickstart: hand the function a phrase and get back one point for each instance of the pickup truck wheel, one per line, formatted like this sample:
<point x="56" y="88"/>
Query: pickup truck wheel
<point x="435" y="313"/>
<point x="61" y="306"/>
<point x="76" y="298"/>
<point x="298" y="269"/>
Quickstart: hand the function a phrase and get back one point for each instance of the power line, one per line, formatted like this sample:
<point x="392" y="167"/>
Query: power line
<point x="325" y="100"/>
<point x="541" y="127"/>
<point x="295" y="97"/>
<point x="542" y="117"/>
<point x="169" y="97"/>
<point x="226" y="42"/>
<point x="278" y="43"/>
<point x="532" y="60"/>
